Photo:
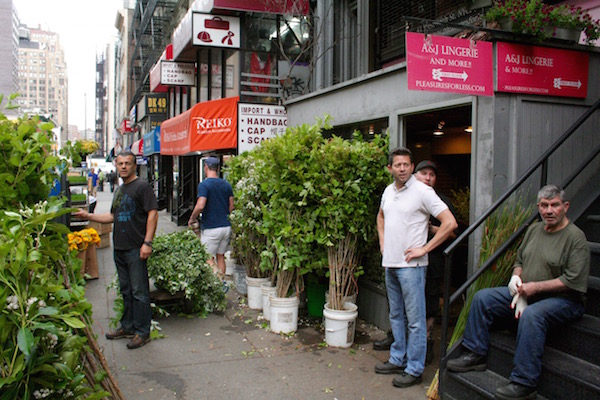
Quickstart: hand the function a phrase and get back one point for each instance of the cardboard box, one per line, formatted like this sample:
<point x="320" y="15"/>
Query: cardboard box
<point x="100" y="227"/>
<point x="104" y="240"/>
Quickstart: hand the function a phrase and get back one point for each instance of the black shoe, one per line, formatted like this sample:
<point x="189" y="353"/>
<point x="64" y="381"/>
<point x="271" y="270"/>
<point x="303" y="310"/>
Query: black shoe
<point x="469" y="361"/>
<point x="119" y="334"/>
<point x="516" y="391"/>
<point x="429" y="355"/>
<point x="388" y="368"/>
<point x="138" y="341"/>
<point x="384" y="344"/>
<point x="406" y="380"/>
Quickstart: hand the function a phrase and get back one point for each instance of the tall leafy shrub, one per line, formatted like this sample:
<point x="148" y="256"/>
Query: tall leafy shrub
<point x="44" y="316"/>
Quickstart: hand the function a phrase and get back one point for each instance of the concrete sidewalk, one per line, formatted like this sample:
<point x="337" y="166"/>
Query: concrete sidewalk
<point x="233" y="355"/>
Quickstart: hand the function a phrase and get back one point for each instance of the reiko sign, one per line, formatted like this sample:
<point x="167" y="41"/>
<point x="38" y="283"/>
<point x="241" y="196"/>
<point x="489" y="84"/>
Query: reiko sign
<point x="542" y="70"/>
<point x="444" y="64"/>
<point x="210" y="125"/>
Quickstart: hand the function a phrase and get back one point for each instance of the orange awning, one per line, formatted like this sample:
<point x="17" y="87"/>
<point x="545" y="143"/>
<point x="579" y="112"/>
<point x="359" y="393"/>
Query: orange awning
<point x="210" y="125"/>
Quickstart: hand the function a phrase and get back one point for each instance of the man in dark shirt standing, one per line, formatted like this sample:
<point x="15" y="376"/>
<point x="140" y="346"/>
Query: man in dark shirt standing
<point x="215" y="202"/>
<point x="134" y="212"/>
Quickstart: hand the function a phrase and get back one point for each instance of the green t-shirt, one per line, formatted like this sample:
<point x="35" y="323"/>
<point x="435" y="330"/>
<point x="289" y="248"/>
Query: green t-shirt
<point x="564" y="255"/>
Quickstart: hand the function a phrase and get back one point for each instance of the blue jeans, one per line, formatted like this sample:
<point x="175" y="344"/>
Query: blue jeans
<point x="135" y="289"/>
<point x="406" y="297"/>
<point x="493" y="304"/>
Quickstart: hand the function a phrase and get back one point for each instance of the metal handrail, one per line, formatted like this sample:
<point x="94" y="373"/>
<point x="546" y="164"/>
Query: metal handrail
<point x="448" y="252"/>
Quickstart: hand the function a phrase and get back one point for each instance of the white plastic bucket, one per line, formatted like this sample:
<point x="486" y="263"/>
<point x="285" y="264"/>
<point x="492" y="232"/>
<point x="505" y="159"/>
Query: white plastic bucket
<point x="284" y="314"/>
<point x="267" y="290"/>
<point x="255" y="301"/>
<point x="239" y="279"/>
<point x="340" y="325"/>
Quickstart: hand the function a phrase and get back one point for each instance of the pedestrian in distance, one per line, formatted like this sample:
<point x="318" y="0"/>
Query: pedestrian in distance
<point x="101" y="178"/>
<point x="134" y="212"/>
<point x="112" y="177"/>
<point x="402" y="226"/>
<point x="546" y="290"/>
<point x="215" y="203"/>
<point x="92" y="182"/>
<point x="426" y="172"/>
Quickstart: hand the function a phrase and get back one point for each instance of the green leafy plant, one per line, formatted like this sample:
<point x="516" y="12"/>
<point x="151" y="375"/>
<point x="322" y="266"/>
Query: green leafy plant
<point x="533" y="17"/>
<point x="47" y="348"/>
<point x="346" y="192"/>
<point x="248" y="241"/>
<point x="178" y="264"/>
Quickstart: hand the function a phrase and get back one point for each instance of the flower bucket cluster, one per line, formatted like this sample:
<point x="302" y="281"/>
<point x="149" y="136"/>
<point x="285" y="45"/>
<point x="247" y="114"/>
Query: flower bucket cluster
<point x="80" y="240"/>
<point x="535" y="18"/>
<point x="312" y="204"/>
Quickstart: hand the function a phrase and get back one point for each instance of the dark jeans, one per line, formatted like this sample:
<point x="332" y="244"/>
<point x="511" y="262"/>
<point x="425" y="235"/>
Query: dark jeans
<point x="493" y="304"/>
<point x="135" y="289"/>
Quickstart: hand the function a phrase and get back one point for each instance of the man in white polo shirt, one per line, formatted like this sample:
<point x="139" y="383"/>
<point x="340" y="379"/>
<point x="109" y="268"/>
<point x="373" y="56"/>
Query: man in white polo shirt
<point x="402" y="225"/>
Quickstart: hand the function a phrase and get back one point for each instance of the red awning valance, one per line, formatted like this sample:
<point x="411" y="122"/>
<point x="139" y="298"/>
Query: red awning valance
<point x="211" y="125"/>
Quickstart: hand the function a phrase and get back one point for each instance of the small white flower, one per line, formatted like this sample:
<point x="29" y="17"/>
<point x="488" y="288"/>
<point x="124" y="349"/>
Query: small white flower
<point x="12" y="302"/>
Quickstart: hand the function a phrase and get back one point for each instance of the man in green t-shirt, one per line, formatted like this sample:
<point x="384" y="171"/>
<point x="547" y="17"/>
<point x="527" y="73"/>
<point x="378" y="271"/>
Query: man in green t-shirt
<point x="546" y="289"/>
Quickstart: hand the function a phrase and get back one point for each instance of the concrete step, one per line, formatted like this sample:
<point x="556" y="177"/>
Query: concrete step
<point x="563" y="375"/>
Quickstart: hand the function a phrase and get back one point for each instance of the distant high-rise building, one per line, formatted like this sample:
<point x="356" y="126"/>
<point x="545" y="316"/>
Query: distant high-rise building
<point x="42" y="74"/>
<point x="9" y="47"/>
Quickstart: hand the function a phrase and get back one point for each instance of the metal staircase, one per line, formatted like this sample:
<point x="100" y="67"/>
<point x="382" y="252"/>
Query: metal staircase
<point x="571" y="362"/>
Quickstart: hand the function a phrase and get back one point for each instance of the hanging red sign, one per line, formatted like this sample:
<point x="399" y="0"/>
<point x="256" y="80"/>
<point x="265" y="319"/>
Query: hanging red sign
<point x="444" y="64"/>
<point x="542" y="70"/>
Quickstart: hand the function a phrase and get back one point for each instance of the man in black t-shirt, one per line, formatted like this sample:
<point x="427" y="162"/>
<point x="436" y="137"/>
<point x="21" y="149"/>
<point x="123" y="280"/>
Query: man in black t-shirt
<point x="134" y="212"/>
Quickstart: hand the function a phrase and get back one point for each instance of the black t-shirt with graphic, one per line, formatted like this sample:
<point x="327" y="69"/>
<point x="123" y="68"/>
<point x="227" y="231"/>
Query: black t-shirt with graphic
<point x="130" y="208"/>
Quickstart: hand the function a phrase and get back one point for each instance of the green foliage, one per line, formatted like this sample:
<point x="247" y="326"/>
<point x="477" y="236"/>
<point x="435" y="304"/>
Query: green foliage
<point x="461" y="199"/>
<point x="248" y="241"/>
<point x="41" y="317"/>
<point x="42" y="305"/>
<point x="77" y="180"/>
<point x="29" y="165"/>
<point x="302" y="200"/>
<point x="498" y="228"/>
<point x="178" y="264"/>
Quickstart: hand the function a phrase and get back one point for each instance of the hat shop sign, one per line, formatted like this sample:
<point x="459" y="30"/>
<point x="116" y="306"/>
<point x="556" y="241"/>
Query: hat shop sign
<point x="215" y="31"/>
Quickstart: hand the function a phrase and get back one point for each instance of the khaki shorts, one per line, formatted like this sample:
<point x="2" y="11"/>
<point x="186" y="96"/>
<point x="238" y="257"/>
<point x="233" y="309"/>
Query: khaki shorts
<point x="216" y="240"/>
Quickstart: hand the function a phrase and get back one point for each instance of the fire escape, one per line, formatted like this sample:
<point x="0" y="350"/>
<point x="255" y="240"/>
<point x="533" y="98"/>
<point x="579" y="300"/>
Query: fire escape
<point x="152" y="25"/>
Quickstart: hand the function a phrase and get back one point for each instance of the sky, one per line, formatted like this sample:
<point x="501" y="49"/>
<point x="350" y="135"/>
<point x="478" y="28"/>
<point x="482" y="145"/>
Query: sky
<point x="85" y="28"/>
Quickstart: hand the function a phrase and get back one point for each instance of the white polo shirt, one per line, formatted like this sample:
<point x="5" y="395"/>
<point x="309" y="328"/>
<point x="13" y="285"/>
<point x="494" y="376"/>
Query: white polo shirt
<point x="406" y="214"/>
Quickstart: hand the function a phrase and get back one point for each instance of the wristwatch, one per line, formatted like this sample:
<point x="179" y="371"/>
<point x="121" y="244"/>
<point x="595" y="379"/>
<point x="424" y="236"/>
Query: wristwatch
<point x="148" y="243"/>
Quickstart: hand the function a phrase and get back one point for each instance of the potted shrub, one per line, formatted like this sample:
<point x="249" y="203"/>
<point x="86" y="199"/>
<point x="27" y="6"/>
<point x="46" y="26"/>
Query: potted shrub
<point x="178" y="266"/>
<point x="248" y="242"/>
<point x="543" y="21"/>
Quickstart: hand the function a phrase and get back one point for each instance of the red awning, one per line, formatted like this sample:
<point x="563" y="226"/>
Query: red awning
<point x="211" y="125"/>
<point x="137" y="147"/>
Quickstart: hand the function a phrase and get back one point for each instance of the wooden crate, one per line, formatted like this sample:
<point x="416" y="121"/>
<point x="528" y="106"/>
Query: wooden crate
<point x="100" y="227"/>
<point x="104" y="240"/>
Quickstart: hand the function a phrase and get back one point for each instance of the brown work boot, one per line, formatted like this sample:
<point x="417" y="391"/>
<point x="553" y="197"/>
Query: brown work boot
<point x="119" y="334"/>
<point x="138" y="341"/>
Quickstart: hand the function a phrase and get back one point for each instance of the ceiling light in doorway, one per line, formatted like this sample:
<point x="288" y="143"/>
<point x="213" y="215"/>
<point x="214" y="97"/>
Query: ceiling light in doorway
<point x="469" y="129"/>
<point x="438" y="133"/>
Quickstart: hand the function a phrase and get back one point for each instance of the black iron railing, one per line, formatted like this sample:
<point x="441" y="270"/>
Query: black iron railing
<point x="542" y="163"/>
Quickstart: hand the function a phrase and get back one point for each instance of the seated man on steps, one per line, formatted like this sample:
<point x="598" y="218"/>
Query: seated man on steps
<point x="547" y="288"/>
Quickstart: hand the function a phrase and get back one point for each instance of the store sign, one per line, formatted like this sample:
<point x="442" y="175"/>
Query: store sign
<point x="444" y="64"/>
<point x="541" y="70"/>
<point x="177" y="73"/>
<point x="215" y="31"/>
<point x="210" y="125"/>
<point x="293" y="7"/>
<point x="259" y="122"/>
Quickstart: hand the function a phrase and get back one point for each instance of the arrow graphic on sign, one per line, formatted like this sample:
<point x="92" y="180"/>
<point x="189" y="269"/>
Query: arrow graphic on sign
<point x="437" y="75"/>
<point x="559" y="83"/>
